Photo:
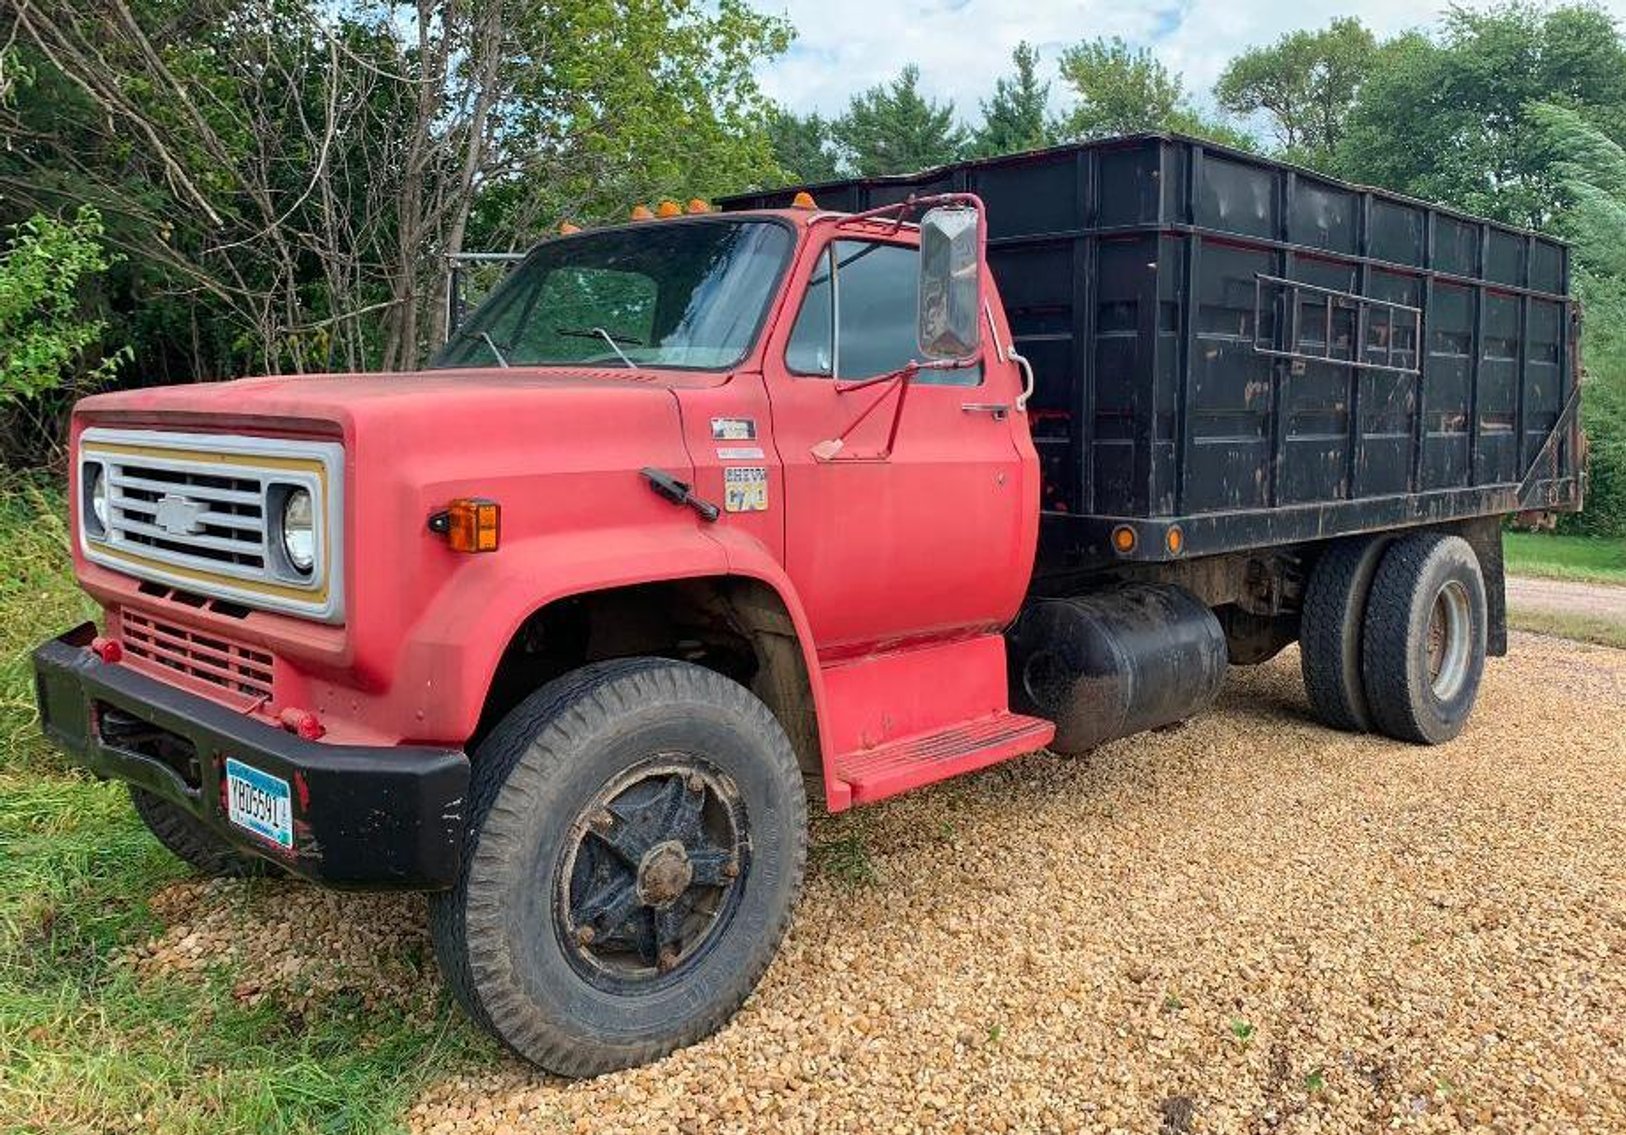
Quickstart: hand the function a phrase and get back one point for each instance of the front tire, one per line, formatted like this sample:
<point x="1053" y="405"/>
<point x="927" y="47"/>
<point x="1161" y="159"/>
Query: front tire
<point x="188" y="839"/>
<point x="1423" y="648"/>
<point x="636" y="842"/>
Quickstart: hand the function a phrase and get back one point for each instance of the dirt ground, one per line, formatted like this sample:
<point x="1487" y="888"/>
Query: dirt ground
<point x="1593" y="600"/>
<point x="1246" y="924"/>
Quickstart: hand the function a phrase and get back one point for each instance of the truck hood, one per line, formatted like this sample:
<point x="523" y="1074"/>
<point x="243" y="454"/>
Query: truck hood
<point x="319" y="402"/>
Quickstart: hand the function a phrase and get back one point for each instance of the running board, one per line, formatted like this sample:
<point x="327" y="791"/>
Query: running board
<point x="886" y="770"/>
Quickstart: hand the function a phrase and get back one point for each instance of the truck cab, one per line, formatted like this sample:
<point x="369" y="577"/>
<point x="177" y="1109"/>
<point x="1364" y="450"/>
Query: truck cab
<point x="695" y="468"/>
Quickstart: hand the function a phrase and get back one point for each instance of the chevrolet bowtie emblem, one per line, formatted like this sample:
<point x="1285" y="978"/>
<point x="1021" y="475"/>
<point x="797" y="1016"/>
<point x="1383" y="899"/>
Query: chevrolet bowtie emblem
<point x="180" y="516"/>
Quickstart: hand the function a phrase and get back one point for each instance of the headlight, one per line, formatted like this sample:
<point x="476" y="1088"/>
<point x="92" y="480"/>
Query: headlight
<point x="96" y="494"/>
<point x="299" y="530"/>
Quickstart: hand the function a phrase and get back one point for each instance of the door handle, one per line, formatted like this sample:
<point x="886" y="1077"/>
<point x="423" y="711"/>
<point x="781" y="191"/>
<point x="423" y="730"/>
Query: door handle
<point x="998" y="409"/>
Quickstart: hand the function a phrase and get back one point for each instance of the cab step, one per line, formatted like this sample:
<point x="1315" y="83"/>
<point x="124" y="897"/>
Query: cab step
<point x="909" y="762"/>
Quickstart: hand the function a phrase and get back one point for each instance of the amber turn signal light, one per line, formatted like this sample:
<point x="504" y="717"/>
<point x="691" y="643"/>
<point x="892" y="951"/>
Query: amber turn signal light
<point x="1123" y="539"/>
<point x="470" y="524"/>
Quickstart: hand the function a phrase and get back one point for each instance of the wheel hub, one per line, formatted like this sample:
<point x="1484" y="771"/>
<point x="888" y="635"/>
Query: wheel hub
<point x="651" y="871"/>
<point x="1449" y="644"/>
<point x="664" y="874"/>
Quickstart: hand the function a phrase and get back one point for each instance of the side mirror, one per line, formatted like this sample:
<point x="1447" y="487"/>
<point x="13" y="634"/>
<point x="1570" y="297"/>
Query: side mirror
<point x="950" y="284"/>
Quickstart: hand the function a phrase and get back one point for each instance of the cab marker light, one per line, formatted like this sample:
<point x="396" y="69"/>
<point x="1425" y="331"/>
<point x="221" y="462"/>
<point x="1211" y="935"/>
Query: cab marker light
<point x="803" y="200"/>
<point x="698" y="206"/>
<point x="470" y="524"/>
<point x="667" y="209"/>
<point x="641" y="213"/>
<point x="566" y="228"/>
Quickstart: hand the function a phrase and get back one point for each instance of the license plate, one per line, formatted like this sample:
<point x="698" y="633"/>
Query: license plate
<point x="258" y="802"/>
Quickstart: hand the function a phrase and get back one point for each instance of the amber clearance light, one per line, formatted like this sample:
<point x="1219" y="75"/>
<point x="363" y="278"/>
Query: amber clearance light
<point x="470" y="524"/>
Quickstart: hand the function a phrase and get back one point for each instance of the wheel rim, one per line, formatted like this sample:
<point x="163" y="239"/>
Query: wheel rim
<point x="1450" y="640"/>
<point x="652" y="874"/>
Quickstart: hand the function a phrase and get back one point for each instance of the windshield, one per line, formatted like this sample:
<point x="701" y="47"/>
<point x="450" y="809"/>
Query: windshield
<point x="661" y="294"/>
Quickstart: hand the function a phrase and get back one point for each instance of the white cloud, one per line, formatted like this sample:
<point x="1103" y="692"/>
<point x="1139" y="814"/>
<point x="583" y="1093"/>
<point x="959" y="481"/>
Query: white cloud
<point x="963" y="46"/>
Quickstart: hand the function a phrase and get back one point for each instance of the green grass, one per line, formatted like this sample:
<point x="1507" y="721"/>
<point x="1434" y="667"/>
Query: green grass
<point x="85" y="1043"/>
<point x="1582" y="558"/>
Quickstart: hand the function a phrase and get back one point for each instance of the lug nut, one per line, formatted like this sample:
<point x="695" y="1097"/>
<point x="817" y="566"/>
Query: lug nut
<point x="585" y="935"/>
<point x="731" y="869"/>
<point x="602" y="820"/>
<point x="695" y="783"/>
<point x="667" y="960"/>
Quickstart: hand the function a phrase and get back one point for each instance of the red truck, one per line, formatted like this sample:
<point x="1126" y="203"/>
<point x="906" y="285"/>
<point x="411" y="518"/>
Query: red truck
<point x="820" y="497"/>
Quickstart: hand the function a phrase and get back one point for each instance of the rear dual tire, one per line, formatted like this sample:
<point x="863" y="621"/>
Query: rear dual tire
<point x="1330" y="632"/>
<point x="1423" y="647"/>
<point x="1394" y="635"/>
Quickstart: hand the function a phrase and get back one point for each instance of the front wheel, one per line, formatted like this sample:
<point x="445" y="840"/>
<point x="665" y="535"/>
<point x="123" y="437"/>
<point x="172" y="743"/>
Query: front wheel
<point x="637" y="837"/>
<point x="187" y="839"/>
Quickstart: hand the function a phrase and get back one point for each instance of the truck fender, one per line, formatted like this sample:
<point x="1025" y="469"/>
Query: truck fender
<point x="458" y="642"/>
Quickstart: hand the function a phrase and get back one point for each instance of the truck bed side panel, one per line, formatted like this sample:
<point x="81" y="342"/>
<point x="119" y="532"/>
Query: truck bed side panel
<point x="1257" y="353"/>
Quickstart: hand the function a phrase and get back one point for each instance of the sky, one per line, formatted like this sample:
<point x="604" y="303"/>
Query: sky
<point x="962" y="46"/>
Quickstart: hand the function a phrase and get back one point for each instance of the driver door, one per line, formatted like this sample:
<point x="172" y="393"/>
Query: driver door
<point x="934" y="541"/>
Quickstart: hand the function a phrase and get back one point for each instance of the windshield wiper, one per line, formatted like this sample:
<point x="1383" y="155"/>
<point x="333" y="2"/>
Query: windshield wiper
<point x="463" y="333"/>
<point x="614" y="341"/>
<point x="493" y="345"/>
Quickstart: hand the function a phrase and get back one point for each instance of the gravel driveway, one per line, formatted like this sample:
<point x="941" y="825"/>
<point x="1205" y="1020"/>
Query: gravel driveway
<point x="1566" y="597"/>
<point x="1248" y="923"/>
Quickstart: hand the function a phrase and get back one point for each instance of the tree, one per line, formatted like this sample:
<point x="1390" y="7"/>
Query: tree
<point x="893" y="128"/>
<point x="1120" y="89"/>
<point x="1123" y="89"/>
<point x="801" y="147"/>
<point x="44" y="334"/>
<point x="1445" y="120"/>
<point x="1590" y="169"/>
<point x="291" y="172"/>
<point x="1306" y="82"/>
<point x="1017" y="117"/>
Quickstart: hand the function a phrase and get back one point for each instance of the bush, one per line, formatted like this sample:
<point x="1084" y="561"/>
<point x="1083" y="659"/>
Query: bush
<point x="47" y="341"/>
<point x="1603" y="413"/>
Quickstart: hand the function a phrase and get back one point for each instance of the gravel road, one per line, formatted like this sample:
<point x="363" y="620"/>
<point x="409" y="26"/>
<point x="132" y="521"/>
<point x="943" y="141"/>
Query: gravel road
<point x="1564" y="597"/>
<point x="1248" y="923"/>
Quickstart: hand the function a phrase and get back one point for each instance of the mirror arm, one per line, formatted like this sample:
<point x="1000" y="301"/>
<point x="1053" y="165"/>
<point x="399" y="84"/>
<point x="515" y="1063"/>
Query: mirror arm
<point x="899" y="379"/>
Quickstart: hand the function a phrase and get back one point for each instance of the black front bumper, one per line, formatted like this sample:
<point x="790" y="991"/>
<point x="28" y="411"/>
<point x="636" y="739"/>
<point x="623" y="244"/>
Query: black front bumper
<point x="362" y="816"/>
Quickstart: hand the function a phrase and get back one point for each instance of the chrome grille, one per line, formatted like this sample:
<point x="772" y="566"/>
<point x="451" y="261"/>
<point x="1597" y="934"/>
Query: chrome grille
<point x="202" y="512"/>
<point x="229" y="513"/>
<point x="210" y="658"/>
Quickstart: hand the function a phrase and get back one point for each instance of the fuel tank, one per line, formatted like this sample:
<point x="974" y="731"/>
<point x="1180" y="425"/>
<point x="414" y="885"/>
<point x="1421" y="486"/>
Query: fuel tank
<point x="1115" y="662"/>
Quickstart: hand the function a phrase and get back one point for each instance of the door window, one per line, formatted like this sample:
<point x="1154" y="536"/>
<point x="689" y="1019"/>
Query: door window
<point x="872" y="297"/>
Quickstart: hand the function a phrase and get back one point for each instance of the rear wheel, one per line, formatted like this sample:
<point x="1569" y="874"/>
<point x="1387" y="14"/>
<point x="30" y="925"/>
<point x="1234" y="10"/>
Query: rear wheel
<point x="637" y="838"/>
<point x="187" y="838"/>
<point x="1330" y="631"/>
<point x="1423" y="652"/>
